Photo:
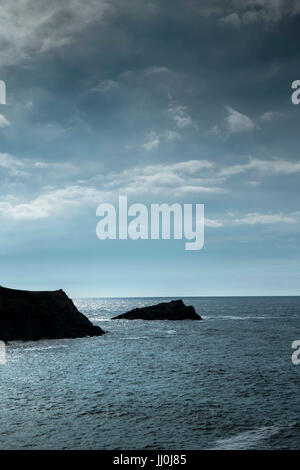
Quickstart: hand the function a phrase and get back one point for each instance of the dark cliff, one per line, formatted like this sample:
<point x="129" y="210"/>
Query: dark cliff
<point x="26" y="315"/>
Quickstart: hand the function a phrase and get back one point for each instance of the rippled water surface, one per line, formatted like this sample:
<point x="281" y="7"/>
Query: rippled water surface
<point x="224" y="383"/>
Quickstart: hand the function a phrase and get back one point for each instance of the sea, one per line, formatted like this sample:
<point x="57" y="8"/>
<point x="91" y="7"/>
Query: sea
<point x="227" y="382"/>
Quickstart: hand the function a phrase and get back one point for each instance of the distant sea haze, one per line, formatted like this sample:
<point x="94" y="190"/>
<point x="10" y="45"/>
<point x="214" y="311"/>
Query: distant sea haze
<point x="226" y="382"/>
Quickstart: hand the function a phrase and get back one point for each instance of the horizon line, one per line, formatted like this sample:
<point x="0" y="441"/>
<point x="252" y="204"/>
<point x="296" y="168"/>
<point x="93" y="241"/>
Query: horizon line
<point x="182" y="296"/>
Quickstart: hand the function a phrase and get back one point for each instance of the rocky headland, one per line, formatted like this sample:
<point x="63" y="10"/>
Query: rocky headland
<point x="29" y="315"/>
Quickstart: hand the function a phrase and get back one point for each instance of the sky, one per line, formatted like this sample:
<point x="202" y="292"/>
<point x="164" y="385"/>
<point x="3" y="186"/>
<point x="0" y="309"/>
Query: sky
<point x="164" y="102"/>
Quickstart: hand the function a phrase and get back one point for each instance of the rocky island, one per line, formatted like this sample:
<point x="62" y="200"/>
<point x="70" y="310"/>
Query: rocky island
<point x="28" y="315"/>
<point x="173" y="310"/>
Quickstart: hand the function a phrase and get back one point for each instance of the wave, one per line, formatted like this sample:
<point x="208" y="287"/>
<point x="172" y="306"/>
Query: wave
<point x="41" y="348"/>
<point x="244" y="317"/>
<point x="246" y="440"/>
<point x="99" y="319"/>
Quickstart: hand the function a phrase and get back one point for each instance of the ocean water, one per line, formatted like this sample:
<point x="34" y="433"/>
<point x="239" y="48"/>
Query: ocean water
<point x="226" y="382"/>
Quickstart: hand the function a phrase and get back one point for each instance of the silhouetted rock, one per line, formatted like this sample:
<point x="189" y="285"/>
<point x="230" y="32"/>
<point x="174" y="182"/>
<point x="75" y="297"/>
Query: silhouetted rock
<point x="26" y="315"/>
<point x="174" y="310"/>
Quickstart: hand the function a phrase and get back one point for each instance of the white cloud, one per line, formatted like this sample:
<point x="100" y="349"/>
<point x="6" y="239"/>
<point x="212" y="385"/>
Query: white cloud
<point x="234" y="123"/>
<point x="172" y="136"/>
<point x="27" y="167"/>
<point x="54" y="43"/>
<point x="156" y="70"/>
<point x="263" y="219"/>
<point x="164" y="179"/>
<point x="154" y="139"/>
<point x="268" y="116"/>
<point x="190" y="166"/>
<point x="254" y="218"/>
<point x="215" y="130"/>
<point x="51" y="203"/>
<point x="231" y="19"/>
<point x="3" y="121"/>
<point x="7" y="161"/>
<point x="198" y="189"/>
<point x="213" y="223"/>
<point x="180" y="116"/>
<point x="179" y="178"/>
<point x="238" y="122"/>
<point x="275" y="167"/>
<point x="106" y="85"/>
<point x="263" y="167"/>
<point x="152" y="142"/>
<point x="13" y="166"/>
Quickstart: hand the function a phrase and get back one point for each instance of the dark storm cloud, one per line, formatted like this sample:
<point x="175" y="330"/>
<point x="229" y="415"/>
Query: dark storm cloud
<point x="121" y="66"/>
<point x="75" y="46"/>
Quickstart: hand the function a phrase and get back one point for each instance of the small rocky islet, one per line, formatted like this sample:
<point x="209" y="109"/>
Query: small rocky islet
<point x="173" y="310"/>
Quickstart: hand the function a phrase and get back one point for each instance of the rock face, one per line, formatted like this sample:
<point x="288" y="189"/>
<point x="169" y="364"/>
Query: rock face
<point x="26" y="315"/>
<point x="174" y="310"/>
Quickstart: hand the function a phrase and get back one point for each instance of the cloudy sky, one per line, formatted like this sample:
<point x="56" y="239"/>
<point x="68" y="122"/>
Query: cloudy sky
<point x="163" y="101"/>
